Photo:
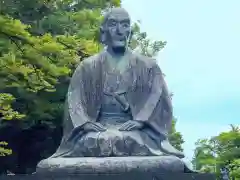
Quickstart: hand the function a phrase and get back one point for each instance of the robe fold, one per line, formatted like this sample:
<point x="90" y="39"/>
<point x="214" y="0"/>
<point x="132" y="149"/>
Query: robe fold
<point x="147" y="97"/>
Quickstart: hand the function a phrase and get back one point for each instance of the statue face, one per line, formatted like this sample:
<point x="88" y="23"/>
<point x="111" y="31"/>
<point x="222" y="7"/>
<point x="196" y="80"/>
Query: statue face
<point x="117" y="29"/>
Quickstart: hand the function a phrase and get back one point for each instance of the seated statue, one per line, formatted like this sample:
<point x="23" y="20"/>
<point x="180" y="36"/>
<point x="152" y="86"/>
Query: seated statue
<point x="118" y="103"/>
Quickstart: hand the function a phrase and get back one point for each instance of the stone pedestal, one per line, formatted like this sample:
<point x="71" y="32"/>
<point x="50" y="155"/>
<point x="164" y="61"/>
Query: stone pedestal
<point x="114" y="168"/>
<point x="123" y="176"/>
<point x="111" y="165"/>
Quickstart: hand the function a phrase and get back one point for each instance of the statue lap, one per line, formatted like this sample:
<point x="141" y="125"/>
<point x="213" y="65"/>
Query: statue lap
<point x="114" y="143"/>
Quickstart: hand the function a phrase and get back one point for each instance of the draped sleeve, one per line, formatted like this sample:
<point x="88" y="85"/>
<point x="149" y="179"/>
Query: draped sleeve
<point x="156" y="110"/>
<point x="76" y="97"/>
<point x="85" y="91"/>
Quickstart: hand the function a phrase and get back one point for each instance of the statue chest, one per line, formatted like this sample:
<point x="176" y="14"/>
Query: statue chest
<point x="115" y="84"/>
<point x="131" y="84"/>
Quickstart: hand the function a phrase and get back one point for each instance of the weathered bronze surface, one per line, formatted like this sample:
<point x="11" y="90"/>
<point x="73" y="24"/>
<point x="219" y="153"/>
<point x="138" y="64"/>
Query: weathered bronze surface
<point x="118" y="106"/>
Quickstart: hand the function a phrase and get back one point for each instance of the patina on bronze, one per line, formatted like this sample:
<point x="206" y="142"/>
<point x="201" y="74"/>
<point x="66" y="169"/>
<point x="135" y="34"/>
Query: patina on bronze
<point x="117" y="103"/>
<point x="118" y="113"/>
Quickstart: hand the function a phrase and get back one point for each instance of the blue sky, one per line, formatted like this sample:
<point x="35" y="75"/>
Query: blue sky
<point x="201" y="60"/>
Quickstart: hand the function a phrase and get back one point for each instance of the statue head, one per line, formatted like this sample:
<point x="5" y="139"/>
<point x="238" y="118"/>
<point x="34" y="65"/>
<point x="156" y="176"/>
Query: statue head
<point x="116" y="29"/>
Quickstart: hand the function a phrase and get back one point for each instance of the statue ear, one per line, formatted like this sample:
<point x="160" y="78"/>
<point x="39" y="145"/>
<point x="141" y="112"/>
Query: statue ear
<point x="102" y="36"/>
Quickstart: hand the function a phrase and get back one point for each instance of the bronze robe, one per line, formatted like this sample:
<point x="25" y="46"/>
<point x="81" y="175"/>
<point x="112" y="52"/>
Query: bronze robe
<point x="147" y="96"/>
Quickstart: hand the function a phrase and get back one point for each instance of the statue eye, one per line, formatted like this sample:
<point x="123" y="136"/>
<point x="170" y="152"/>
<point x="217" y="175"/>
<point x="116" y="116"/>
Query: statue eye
<point x="125" y="25"/>
<point x="112" y="23"/>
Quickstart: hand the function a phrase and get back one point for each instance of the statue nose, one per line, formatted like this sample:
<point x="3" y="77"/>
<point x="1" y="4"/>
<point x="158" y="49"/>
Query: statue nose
<point x="119" y="30"/>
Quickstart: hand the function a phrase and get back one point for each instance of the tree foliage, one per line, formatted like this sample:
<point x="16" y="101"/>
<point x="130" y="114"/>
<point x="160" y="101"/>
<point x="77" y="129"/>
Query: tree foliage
<point x="142" y="44"/>
<point x="176" y="137"/>
<point x="220" y="151"/>
<point x="31" y="68"/>
<point x="3" y="150"/>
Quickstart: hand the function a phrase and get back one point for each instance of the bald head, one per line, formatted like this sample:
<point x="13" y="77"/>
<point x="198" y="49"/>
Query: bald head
<point x="116" y="28"/>
<point x="116" y="12"/>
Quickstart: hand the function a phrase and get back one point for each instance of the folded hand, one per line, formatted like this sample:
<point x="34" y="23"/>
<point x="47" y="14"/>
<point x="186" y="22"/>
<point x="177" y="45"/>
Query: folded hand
<point x="131" y="125"/>
<point x="95" y="127"/>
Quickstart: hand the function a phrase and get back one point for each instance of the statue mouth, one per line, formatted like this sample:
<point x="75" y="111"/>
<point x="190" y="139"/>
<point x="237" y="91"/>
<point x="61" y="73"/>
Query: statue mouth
<point x="119" y="40"/>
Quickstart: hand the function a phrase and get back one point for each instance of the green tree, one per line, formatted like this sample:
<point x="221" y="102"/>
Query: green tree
<point x="142" y="44"/>
<point x="219" y="151"/>
<point x="176" y="137"/>
<point x="31" y="68"/>
<point x="204" y="158"/>
<point x="3" y="150"/>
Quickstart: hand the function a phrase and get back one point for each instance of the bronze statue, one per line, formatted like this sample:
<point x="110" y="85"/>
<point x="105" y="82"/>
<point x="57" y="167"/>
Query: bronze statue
<point x="118" y="112"/>
<point x="118" y="103"/>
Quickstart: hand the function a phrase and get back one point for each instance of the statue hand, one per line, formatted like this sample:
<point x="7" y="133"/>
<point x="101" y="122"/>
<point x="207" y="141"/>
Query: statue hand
<point x="131" y="125"/>
<point x="95" y="127"/>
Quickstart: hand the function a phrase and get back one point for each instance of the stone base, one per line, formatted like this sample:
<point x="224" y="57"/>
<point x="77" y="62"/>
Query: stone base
<point x="124" y="176"/>
<point x="111" y="165"/>
<point x="114" y="168"/>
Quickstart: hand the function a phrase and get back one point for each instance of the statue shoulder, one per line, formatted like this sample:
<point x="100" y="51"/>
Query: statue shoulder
<point x="148" y="62"/>
<point x="90" y="62"/>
